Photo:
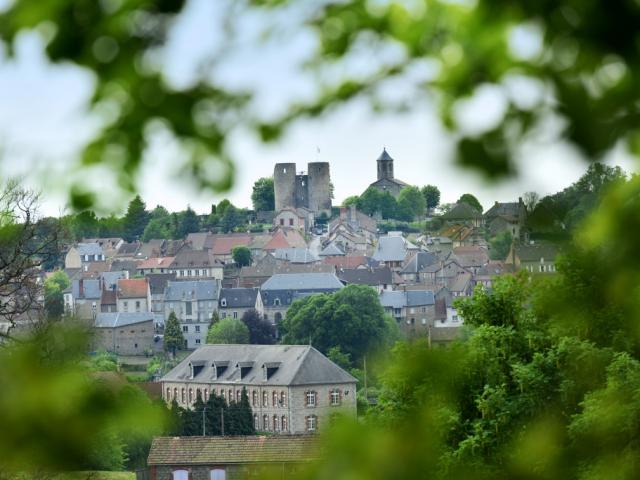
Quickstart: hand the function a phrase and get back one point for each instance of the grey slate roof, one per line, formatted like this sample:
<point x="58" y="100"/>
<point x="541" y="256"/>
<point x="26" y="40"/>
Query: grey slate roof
<point x="86" y="288"/>
<point x="390" y="249"/>
<point x="110" y="279"/>
<point x="92" y="248"/>
<point x="295" y="255"/>
<point x="419" y="262"/>
<point x="366" y="276"/>
<point x="331" y="250"/>
<point x="410" y="298"/>
<point x="508" y="209"/>
<point x="158" y="281"/>
<point x="533" y="253"/>
<point x="302" y="281"/>
<point x="385" y="156"/>
<point x="120" y="319"/>
<point x="192" y="290"/>
<point x="239" y="297"/>
<point x="298" y="365"/>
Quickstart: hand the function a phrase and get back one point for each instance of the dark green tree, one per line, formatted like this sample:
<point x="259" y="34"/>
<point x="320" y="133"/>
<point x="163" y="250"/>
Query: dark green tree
<point x="53" y="296"/>
<point x="263" y="195"/>
<point x="173" y="338"/>
<point x="232" y="218"/>
<point x="411" y="204"/>
<point x="241" y="256"/>
<point x="431" y="195"/>
<point x="261" y="332"/>
<point x="471" y="201"/>
<point x="240" y="417"/>
<point x="189" y="223"/>
<point x="135" y="220"/>
<point x="157" y="228"/>
<point x="216" y="410"/>
<point x="193" y="418"/>
<point x="351" y="319"/>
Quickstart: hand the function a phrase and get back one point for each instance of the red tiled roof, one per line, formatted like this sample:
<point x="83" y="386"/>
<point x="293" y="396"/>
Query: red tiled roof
<point x="346" y="261"/>
<point x="224" y="245"/>
<point x="278" y="240"/>
<point x="160" y="262"/>
<point x="134" y="288"/>
<point x="232" y="450"/>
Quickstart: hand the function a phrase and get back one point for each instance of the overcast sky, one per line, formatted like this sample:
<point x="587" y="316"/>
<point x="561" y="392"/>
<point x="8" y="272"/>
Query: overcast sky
<point x="43" y="125"/>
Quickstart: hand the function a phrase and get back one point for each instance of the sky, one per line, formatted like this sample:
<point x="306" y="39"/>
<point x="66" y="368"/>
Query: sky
<point x="43" y="122"/>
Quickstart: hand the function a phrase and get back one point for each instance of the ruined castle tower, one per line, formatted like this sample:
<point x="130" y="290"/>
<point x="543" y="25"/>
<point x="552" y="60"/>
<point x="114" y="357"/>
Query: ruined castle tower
<point x="311" y="190"/>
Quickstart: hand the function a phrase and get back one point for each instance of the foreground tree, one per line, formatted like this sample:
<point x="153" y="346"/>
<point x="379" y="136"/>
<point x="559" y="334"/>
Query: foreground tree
<point x="23" y="250"/>
<point x="411" y="204"/>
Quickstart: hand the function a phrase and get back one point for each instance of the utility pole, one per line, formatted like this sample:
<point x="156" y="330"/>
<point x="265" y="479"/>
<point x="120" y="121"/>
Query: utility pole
<point x="204" y="427"/>
<point x="222" y="421"/>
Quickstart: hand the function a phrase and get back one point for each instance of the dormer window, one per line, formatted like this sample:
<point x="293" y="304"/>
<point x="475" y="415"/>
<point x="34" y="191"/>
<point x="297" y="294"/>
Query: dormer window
<point x="269" y="369"/>
<point x="223" y="302"/>
<point x="245" y="368"/>
<point x="196" y="366"/>
<point x="276" y="302"/>
<point x="219" y="368"/>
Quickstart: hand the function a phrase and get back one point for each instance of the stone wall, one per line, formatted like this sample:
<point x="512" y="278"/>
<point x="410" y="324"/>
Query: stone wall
<point x="232" y="472"/>
<point x="127" y="339"/>
<point x="319" y="180"/>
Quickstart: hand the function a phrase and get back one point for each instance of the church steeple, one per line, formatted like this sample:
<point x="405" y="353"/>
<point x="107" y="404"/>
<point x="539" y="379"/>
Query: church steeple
<point x="385" y="165"/>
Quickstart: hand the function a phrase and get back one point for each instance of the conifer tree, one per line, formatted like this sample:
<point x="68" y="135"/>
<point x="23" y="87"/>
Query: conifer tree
<point x="216" y="409"/>
<point x="173" y="338"/>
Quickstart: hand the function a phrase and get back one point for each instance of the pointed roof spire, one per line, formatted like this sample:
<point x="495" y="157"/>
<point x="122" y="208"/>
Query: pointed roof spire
<point x="384" y="156"/>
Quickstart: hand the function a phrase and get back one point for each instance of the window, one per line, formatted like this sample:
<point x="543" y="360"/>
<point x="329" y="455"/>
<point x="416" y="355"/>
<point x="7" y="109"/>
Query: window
<point x="180" y="475"/>
<point x="197" y="341"/>
<point x="312" y="423"/>
<point x="283" y="399"/>
<point x="265" y="423"/>
<point x="125" y="306"/>
<point x="223" y="394"/>
<point x="224" y="315"/>
<point x="218" y="474"/>
<point x="137" y="305"/>
<point x="291" y="222"/>
<point x="274" y="398"/>
<point x="185" y="328"/>
<point x="190" y="395"/>
<point x="264" y="399"/>
<point x="197" y="328"/>
<point x="230" y="395"/>
<point x="424" y="321"/>
<point x="238" y="396"/>
<point x="336" y="397"/>
<point x="188" y="273"/>
<point x="284" y="423"/>
<point x="454" y="318"/>
<point x="168" y="394"/>
<point x="235" y="314"/>
<point x="183" y="396"/>
<point x="254" y="398"/>
<point x="282" y="222"/>
<point x="311" y="399"/>
<point x="276" y="301"/>
<point x="182" y="273"/>
<point x="175" y="394"/>
<point x="256" y="424"/>
<point x="188" y="308"/>
<point x="276" y="424"/>
<point x="206" y="395"/>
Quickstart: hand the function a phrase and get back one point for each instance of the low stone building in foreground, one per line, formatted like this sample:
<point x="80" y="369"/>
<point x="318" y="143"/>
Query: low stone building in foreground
<point x="291" y="388"/>
<point x="227" y="458"/>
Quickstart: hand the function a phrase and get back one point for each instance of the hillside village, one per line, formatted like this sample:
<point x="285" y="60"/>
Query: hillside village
<point x="232" y="316"/>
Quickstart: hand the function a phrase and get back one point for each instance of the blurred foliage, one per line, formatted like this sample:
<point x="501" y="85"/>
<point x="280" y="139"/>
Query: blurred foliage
<point x="470" y="200"/>
<point x="85" y="418"/>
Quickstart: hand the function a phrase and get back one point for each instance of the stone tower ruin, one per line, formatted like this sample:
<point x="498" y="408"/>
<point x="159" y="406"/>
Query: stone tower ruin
<point x="310" y="190"/>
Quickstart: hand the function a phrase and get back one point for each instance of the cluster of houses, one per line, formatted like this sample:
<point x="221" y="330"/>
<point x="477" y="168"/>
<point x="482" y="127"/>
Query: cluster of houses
<point x="128" y="290"/>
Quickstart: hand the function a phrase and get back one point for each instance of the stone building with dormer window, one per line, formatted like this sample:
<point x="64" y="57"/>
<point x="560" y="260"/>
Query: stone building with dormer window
<point x="292" y="389"/>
